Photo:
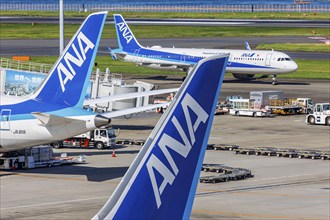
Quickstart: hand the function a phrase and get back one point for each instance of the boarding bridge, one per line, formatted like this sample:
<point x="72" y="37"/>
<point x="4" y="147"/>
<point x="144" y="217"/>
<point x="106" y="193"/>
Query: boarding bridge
<point x="106" y="84"/>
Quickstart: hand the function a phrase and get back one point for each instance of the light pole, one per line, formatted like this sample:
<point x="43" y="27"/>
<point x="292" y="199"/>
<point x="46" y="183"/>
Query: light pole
<point x="61" y="27"/>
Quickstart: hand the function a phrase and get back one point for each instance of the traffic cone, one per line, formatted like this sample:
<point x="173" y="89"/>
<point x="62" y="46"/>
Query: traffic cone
<point x="113" y="153"/>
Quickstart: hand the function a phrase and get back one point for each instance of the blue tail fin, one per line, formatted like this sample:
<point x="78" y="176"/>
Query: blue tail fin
<point x="68" y="79"/>
<point x="161" y="182"/>
<point x="125" y="36"/>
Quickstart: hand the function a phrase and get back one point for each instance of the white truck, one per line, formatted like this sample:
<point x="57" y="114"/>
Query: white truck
<point x="38" y="156"/>
<point x="246" y="107"/>
<point x="320" y="115"/>
<point x="99" y="138"/>
<point x="306" y="104"/>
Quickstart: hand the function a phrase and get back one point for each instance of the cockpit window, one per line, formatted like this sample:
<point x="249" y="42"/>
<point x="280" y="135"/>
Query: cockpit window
<point x="283" y="59"/>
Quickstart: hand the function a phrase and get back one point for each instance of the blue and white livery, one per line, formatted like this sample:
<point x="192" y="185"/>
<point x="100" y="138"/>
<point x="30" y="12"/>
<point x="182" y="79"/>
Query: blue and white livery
<point x="242" y="64"/>
<point x="54" y="111"/>
<point x="161" y="182"/>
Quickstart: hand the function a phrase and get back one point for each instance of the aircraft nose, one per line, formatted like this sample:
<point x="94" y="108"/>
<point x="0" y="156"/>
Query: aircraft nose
<point x="293" y="66"/>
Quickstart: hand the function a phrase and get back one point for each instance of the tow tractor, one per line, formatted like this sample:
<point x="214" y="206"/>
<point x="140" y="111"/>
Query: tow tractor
<point x="320" y="115"/>
<point x="99" y="138"/>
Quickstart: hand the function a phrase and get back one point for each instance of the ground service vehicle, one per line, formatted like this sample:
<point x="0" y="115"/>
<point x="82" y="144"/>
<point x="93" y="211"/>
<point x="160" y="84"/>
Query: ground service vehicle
<point x="99" y="138"/>
<point x="39" y="156"/>
<point x="246" y="107"/>
<point x="320" y="115"/>
<point x="284" y="106"/>
<point x="306" y="104"/>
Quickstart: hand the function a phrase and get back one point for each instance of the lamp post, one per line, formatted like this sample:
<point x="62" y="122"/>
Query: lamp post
<point x="61" y="27"/>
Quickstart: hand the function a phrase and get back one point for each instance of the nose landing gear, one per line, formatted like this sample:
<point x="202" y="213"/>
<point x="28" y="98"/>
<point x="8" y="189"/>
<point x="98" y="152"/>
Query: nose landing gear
<point x="274" y="81"/>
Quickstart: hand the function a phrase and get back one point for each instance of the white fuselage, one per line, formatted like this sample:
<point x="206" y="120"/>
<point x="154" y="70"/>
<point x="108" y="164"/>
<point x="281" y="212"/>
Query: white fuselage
<point x="240" y="61"/>
<point x="20" y="131"/>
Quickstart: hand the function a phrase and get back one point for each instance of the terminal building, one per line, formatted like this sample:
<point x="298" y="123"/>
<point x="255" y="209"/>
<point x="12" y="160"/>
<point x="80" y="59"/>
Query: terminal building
<point x="19" y="78"/>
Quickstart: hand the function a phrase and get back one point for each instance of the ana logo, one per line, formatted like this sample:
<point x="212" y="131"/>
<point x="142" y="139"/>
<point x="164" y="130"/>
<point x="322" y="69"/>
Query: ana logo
<point x="80" y="56"/>
<point x="183" y="149"/>
<point x="247" y="55"/>
<point x="125" y="32"/>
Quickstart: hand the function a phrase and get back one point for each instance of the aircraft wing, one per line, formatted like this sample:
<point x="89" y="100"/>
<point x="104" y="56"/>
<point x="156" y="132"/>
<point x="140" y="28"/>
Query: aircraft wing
<point x="128" y="96"/>
<point x="129" y="111"/>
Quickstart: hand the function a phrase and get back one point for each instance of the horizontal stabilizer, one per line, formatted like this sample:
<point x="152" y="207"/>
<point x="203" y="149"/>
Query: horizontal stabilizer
<point x="112" y="54"/>
<point x="128" y="96"/>
<point x="247" y="46"/>
<point x="48" y="120"/>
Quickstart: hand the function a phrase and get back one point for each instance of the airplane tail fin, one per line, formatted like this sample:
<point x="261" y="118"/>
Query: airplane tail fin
<point x="67" y="81"/>
<point x="126" y="40"/>
<point x="162" y="180"/>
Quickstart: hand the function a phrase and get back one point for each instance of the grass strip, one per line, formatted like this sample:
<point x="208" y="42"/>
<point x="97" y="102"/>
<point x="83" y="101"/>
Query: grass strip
<point x="51" y="31"/>
<point x="308" y="69"/>
<point x="319" y="47"/>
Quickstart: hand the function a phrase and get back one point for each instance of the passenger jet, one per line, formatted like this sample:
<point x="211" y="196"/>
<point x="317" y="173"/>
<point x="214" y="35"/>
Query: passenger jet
<point x="54" y="111"/>
<point x="243" y="64"/>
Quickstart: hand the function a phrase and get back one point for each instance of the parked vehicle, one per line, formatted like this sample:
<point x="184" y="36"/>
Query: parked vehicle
<point x="307" y="105"/>
<point x="39" y="156"/>
<point x="99" y="138"/>
<point x="320" y="115"/>
<point x="284" y="107"/>
<point x="246" y="107"/>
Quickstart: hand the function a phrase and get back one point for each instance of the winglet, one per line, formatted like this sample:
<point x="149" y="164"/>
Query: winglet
<point x="67" y="81"/>
<point x="126" y="40"/>
<point x="161" y="182"/>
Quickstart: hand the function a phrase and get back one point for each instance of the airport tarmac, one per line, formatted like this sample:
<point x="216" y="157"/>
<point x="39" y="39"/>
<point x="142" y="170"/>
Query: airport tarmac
<point x="282" y="188"/>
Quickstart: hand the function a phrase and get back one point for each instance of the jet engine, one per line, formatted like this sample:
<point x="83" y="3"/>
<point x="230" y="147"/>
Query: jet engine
<point x="243" y="76"/>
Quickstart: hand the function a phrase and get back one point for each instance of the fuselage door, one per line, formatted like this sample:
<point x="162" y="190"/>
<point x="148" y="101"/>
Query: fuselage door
<point x="136" y="57"/>
<point x="268" y="58"/>
<point x="230" y="59"/>
<point x="183" y="57"/>
<point x="5" y="119"/>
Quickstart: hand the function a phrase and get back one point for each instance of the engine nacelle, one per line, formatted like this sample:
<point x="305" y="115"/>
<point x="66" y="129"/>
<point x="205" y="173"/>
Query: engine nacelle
<point x="243" y="76"/>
